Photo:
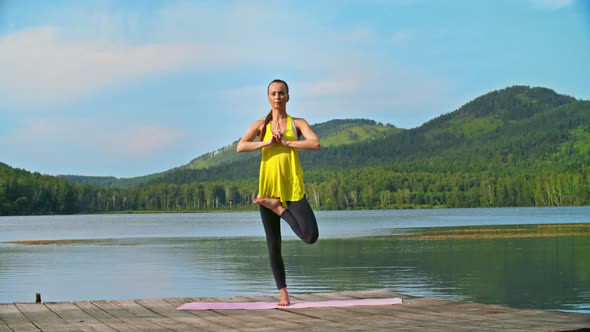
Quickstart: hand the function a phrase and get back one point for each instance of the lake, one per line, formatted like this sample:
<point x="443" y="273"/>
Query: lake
<point x="521" y="257"/>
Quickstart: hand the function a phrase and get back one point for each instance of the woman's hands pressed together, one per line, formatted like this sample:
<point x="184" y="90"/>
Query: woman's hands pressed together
<point x="278" y="135"/>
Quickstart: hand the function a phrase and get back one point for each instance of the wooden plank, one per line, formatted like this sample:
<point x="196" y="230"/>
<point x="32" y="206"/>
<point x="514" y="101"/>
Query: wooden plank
<point x="251" y="320"/>
<point x="15" y="320"/>
<point x="4" y="327"/>
<point x="369" y="314"/>
<point x="272" y="319"/>
<point x="288" y="318"/>
<point x="164" y="308"/>
<point x="133" y="323"/>
<point x="227" y="323"/>
<point x="152" y="316"/>
<point x="416" y="314"/>
<point x="428" y="314"/>
<point x="429" y="318"/>
<point x="45" y="319"/>
<point x="479" y="316"/>
<point x="523" y="317"/>
<point x="77" y="317"/>
<point x="297" y="318"/>
<point x="497" y="316"/>
<point x="100" y="315"/>
<point x="104" y="317"/>
<point x="549" y="320"/>
<point x="265" y="319"/>
<point x="346" y="318"/>
<point x="385" y="313"/>
<point x="243" y="316"/>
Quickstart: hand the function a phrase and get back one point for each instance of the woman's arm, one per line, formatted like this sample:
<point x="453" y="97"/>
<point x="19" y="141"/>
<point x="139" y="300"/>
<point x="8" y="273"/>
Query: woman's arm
<point x="311" y="141"/>
<point x="247" y="144"/>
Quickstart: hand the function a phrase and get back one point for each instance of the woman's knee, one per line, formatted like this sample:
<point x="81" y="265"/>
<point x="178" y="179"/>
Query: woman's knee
<point x="310" y="238"/>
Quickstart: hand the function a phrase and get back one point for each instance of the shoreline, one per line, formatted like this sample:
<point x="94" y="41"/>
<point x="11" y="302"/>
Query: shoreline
<point x="255" y="209"/>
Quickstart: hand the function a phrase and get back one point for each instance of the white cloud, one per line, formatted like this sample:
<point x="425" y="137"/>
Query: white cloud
<point x="41" y="67"/>
<point x="45" y="66"/>
<point x="55" y="139"/>
<point x="551" y="4"/>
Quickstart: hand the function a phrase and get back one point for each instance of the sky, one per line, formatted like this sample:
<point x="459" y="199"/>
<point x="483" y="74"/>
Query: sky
<point x="127" y="88"/>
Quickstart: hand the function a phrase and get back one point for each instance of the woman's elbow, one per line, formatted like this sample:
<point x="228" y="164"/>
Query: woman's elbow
<point x="240" y="147"/>
<point x="316" y="145"/>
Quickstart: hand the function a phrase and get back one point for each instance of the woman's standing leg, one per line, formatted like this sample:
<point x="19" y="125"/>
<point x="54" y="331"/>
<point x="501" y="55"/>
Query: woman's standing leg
<point x="302" y="220"/>
<point x="272" y="229"/>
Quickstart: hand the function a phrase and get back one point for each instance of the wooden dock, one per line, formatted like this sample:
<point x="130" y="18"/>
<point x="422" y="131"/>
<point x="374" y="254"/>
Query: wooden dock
<point x="416" y="314"/>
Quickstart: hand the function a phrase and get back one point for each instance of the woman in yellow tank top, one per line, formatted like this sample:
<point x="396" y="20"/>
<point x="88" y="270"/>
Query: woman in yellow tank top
<point x="281" y="192"/>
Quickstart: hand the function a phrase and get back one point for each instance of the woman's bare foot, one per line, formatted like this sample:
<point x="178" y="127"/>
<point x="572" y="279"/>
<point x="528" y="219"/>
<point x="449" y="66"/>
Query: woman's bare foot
<point x="273" y="204"/>
<point x="284" y="297"/>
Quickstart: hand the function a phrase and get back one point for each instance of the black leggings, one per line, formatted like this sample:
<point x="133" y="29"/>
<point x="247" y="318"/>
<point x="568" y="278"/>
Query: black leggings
<point x="300" y="217"/>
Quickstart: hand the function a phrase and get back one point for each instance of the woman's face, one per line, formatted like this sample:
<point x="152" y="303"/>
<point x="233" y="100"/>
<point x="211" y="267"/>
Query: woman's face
<point x="278" y="95"/>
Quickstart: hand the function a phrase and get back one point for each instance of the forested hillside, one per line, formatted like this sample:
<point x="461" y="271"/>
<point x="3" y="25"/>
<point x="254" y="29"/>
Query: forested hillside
<point x="519" y="146"/>
<point x="518" y="130"/>
<point x="23" y="192"/>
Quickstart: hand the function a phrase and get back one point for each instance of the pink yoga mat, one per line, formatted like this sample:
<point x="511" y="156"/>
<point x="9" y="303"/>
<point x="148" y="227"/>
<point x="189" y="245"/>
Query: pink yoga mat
<point x="294" y="305"/>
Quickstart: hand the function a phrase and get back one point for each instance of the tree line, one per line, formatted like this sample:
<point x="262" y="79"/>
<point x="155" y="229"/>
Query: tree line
<point x="24" y="193"/>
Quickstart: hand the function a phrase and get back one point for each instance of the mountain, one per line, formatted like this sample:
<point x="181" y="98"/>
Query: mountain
<point x="502" y="129"/>
<point x="515" y="130"/>
<point x="518" y="146"/>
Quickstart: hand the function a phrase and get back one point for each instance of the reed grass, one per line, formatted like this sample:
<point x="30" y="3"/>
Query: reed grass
<point x="501" y="232"/>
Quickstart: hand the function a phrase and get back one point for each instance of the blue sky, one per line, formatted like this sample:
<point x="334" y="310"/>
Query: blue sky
<point x="128" y="88"/>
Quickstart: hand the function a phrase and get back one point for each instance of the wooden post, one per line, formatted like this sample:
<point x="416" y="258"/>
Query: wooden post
<point x="38" y="298"/>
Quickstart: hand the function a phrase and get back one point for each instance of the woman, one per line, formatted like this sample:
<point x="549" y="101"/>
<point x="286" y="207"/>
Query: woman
<point x="280" y="188"/>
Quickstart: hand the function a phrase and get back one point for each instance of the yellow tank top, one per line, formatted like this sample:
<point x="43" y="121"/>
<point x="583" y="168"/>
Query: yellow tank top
<point x="280" y="170"/>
